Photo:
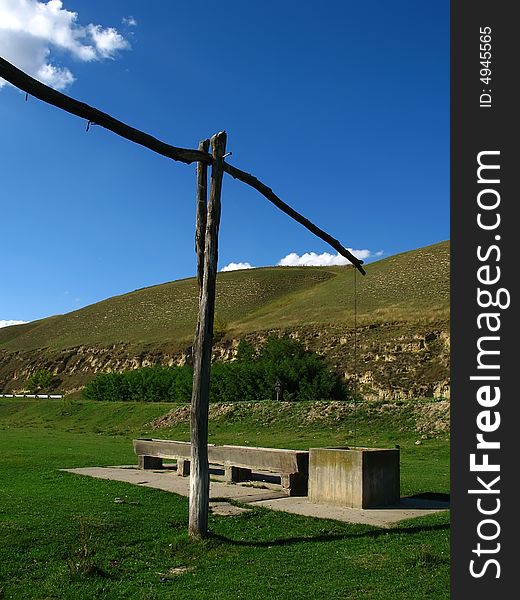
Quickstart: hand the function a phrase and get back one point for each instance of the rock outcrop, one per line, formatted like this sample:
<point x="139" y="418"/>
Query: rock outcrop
<point x="382" y="361"/>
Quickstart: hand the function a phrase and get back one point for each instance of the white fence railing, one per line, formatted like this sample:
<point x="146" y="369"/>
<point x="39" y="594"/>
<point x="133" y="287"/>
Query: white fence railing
<point x="52" y="396"/>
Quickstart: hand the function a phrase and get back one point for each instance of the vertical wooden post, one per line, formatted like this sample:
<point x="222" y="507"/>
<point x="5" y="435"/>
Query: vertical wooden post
<point x="199" y="474"/>
<point x="202" y="210"/>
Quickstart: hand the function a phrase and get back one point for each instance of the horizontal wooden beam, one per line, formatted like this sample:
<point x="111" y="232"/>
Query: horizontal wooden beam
<point x="43" y="92"/>
<point x="46" y="94"/>
<point x="272" y="197"/>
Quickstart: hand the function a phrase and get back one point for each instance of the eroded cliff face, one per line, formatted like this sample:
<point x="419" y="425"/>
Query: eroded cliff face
<point x="384" y="361"/>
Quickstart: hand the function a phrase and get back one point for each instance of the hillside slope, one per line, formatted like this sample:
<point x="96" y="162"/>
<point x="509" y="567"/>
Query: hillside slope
<point x="402" y="307"/>
<point x="162" y="314"/>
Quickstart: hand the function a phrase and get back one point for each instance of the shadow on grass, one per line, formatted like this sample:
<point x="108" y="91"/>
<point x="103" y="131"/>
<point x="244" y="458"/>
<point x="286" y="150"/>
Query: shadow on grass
<point x="333" y="537"/>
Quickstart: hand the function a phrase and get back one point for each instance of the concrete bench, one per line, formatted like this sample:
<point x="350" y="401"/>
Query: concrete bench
<point x="238" y="461"/>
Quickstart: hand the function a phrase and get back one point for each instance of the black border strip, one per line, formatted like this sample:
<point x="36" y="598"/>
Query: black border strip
<point x="479" y="127"/>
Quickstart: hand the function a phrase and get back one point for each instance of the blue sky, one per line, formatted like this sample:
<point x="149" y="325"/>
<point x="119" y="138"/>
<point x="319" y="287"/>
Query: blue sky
<point x="342" y="108"/>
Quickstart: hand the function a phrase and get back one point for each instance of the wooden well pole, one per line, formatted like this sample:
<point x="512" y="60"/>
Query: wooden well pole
<point x="199" y="466"/>
<point x="202" y="213"/>
<point x="207" y="254"/>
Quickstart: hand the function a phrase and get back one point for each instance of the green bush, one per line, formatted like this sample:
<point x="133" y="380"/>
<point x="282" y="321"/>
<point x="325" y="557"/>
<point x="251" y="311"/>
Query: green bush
<point x="149" y="384"/>
<point x="220" y="328"/>
<point x="302" y="374"/>
<point x="253" y="376"/>
<point x="40" y="381"/>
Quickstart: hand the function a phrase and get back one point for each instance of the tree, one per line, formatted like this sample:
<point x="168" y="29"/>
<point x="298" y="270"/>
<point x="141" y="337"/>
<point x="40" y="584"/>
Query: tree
<point x="40" y="381"/>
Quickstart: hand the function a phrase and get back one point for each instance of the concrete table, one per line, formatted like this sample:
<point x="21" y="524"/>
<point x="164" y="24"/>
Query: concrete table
<point x="354" y="477"/>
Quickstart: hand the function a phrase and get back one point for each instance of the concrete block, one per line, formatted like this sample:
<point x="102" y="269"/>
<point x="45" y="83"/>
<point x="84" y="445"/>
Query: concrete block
<point x="295" y="484"/>
<point x="183" y="467"/>
<point x="236" y="474"/>
<point x="354" y="477"/>
<point x="150" y="462"/>
<point x="238" y="461"/>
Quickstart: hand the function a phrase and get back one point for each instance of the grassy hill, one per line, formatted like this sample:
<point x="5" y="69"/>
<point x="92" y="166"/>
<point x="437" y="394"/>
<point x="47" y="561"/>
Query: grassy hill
<point x="401" y="341"/>
<point x="408" y="287"/>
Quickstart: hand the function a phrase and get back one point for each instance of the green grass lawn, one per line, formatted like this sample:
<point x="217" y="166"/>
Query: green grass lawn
<point x="63" y="536"/>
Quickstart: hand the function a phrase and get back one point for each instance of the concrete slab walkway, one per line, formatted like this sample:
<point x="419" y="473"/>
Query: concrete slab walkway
<point x="168" y="480"/>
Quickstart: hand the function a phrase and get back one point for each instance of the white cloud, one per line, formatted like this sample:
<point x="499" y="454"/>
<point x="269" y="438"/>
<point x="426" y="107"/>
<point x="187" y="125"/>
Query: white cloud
<point x="9" y="322"/>
<point x="129" y="21"/>
<point x="236" y="266"/>
<point x="107" y="41"/>
<point x="311" y="259"/>
<point x="30" y="30"/>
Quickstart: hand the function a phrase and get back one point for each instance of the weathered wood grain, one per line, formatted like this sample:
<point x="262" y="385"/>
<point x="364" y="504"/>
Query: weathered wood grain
<point x="199" y="478"/>
<point x="202" y="212"/>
